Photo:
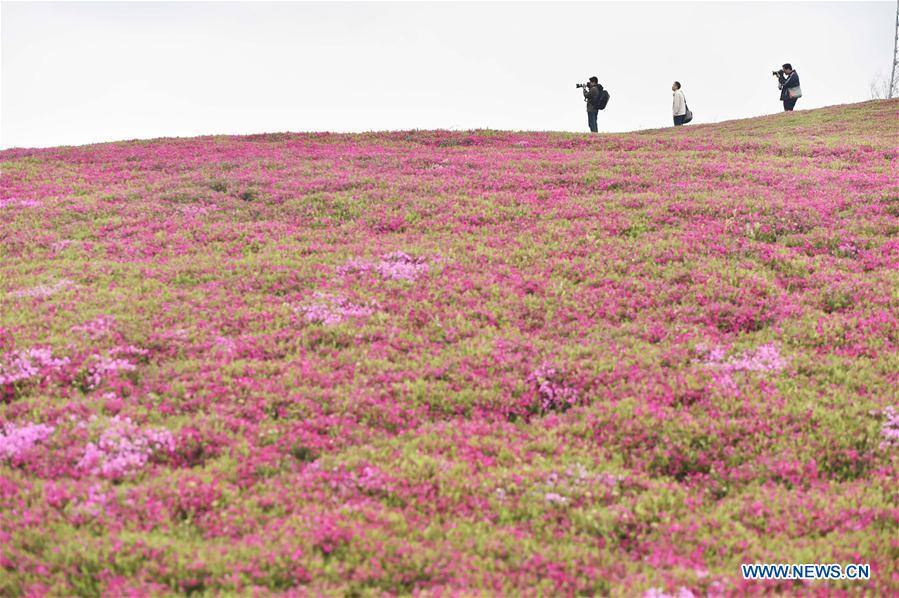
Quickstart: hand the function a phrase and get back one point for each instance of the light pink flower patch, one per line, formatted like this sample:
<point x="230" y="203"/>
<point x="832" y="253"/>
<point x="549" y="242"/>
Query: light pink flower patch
<point x="123" y="448"/>
<point x="31" y="363"/>
<point x="60" y="245"/>
<point x="657" y="593"/>
<point x="11" y="202"/>
<point x="225" y="345"/>
<point x="43" y="290"/>
<point x="766" y="358"/>
<point x="890" y="429"/>
<point x="178" y="335"/>
<point x="331" y="310"/>
<point x="129" y="350"/>
<point x="104" y="366"/>
<point x="192" y="211"/>
<point x="393" y="266"/>
<point x="15" y="440"/>
<point x="554" y="498"/>
<point x="401" y="266"/>
<point x="371" y="479"/>
<point x="96" y="328"/>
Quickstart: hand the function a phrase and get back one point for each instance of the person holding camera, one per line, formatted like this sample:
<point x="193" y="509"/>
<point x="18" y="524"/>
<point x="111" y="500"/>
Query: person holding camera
<point x="679" y="106"/>
<point x="592" y="91"/>
<point x="788" y="83"/>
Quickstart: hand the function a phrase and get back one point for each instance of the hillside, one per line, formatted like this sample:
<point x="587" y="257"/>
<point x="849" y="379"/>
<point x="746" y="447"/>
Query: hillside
<point x="480" y="362"/>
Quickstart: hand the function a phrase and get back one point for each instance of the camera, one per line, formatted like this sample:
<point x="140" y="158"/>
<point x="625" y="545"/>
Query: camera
<point x="580" y="85"/>
<point x="778" y="73"/>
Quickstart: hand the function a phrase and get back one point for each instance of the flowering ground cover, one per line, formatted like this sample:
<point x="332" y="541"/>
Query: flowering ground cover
<point x="453" y="362"/>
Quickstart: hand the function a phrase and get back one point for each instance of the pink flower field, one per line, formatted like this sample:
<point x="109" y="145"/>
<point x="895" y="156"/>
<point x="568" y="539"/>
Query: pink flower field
<point x="453" y="363"/>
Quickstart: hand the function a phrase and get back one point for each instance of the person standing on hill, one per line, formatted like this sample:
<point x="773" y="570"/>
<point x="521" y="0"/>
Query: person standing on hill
<point x="591" y="96"/>
<point x="788" y="83"/>
<point x="679" y="106"/>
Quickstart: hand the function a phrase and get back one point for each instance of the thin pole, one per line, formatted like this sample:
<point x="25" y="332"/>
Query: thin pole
<point x="893" y="77"/>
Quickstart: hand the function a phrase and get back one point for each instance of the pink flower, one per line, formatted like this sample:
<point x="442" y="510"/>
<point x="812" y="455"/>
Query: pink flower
<point x="43" y="290"/>
<point x="96" y="328"/>
<point x="890" y="429"/>
<point x="15" y="440"/>
<point x="104" y="366"/>
<point x="333" y="309"/>
<point x="393" y="266"/>
<point x="31" y="363"/>
<point x="553" y="392"/>
<point x="766" y="358"/>
<point x="123" y="448"/>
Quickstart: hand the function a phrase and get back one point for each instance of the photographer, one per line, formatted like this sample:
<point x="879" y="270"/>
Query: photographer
<point x="591" y="96"/>
<point x="788" y="83"/>
<point x="679" y="105"/>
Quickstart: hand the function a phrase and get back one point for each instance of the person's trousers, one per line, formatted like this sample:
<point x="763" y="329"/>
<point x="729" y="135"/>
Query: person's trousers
<point x="679" y="120"/>
<point x="788" y="104"/>
<point x="591" y="120"/>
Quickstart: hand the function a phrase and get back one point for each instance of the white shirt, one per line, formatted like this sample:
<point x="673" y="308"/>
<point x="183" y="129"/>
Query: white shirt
<point x="679" y="107"/>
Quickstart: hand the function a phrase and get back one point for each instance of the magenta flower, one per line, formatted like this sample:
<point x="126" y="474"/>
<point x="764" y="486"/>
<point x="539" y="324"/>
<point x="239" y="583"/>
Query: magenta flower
<point x="319" y="407"/>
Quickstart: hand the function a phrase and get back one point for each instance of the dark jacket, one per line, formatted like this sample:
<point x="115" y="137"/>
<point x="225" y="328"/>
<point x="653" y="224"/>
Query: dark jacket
<point x="786" y="83"/>
<point x="591" y="95"/>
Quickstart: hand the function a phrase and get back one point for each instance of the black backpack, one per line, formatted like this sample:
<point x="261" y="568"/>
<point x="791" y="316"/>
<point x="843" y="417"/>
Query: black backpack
<point x="688" y="115"/>
<point x="602" y="100"/>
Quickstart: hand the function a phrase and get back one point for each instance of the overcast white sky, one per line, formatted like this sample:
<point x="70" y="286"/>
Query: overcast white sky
<point x="76" y="73"/>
